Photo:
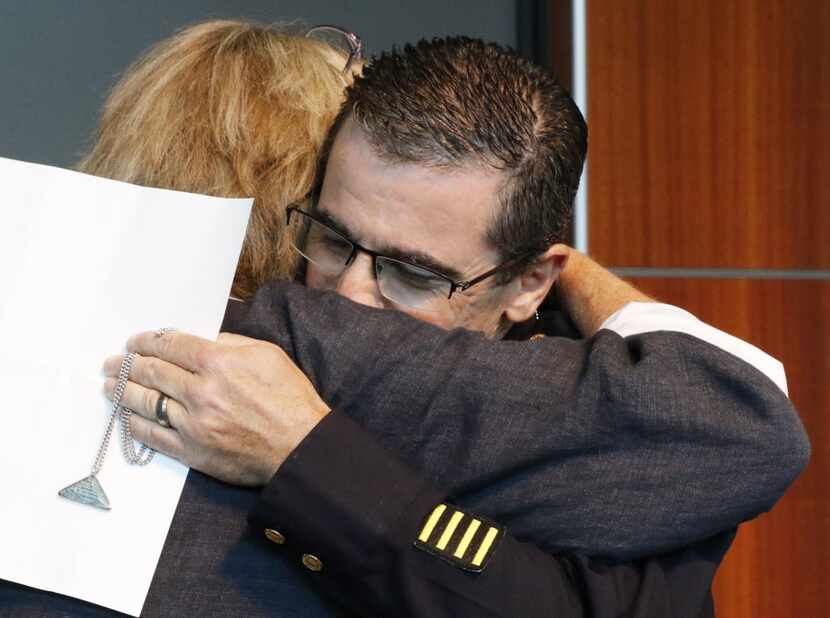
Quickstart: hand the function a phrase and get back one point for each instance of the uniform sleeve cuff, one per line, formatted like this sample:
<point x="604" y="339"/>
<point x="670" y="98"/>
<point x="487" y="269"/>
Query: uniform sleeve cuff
<point x="343" y="498"/>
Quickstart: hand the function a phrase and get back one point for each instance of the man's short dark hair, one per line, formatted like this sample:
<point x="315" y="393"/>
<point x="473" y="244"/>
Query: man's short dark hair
<point x="460" y="101"/>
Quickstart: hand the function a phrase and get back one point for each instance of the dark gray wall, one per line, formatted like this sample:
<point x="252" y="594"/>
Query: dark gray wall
<point x="58" y="58"/>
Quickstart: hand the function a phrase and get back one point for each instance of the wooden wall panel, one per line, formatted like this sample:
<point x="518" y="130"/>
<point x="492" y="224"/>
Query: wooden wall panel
<point x="780" y="563"/>
<point x="709" y="133"/>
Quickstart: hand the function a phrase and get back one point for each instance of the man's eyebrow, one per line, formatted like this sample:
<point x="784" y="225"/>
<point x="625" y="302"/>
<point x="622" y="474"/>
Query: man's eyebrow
<point x="418" y="258"/>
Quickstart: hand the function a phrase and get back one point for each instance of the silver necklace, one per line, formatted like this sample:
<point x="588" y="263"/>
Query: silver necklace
<point x="88" y="490"/>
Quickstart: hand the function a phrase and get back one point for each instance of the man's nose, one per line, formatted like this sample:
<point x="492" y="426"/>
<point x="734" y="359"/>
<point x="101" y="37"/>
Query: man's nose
<point x="358" y="282"/>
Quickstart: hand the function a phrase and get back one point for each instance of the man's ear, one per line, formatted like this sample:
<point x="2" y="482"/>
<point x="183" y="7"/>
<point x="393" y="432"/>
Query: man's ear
<point x="532" y="286"/>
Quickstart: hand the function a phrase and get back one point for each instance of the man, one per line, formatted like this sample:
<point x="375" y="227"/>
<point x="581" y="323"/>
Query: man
<point x="404" y="205"/>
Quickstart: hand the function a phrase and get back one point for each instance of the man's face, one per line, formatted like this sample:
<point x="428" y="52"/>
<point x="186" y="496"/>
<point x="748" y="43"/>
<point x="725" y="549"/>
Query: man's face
<point x="437" y="218"/>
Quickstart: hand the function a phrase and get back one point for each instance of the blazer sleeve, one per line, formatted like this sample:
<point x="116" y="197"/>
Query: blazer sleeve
<point x="614" y="447"/>
<point x="383" y="541"/>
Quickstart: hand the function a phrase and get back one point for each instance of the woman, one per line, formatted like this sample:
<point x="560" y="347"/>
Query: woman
<point x="230" y="109"/>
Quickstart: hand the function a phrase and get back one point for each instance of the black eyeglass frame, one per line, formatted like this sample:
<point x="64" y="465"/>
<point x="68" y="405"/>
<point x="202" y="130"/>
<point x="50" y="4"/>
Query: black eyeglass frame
<point x="355" y="43"/>
<point x="460" y="286"/>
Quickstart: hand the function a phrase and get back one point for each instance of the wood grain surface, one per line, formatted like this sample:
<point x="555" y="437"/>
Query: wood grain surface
<point x="779" y="566"/>
<point x="709" y="132"/>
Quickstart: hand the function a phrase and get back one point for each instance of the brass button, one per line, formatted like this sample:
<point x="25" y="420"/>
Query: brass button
<point x="274" y="536"/>
<point x="312" y="563"/>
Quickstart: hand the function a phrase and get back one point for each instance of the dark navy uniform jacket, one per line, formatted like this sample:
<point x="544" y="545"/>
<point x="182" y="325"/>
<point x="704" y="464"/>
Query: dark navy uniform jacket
<point x="608" y="475"/>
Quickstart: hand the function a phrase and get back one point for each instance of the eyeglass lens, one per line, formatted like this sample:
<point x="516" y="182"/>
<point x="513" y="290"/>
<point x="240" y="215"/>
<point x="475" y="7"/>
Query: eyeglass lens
<point x="397" y="281"/>
<point x="337" y="39"/>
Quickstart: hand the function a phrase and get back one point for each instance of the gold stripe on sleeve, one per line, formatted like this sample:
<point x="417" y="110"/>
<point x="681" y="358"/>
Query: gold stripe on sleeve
<point x="445" y="538"/>
<point x="485" y="546"/>
<point x="430" y="525"/>
<point x="465" y="540"/>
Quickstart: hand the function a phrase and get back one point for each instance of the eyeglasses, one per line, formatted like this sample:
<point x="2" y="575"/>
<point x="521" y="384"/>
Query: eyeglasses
<point x="342" y="40"/>
<point x="400" y="281"/>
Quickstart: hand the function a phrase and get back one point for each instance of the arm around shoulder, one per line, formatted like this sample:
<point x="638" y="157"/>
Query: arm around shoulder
<point x="610" y="446"/>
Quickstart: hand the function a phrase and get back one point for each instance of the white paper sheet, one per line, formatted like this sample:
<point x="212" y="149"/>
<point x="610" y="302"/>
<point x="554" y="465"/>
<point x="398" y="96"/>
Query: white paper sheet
<point x="85" y="263"/>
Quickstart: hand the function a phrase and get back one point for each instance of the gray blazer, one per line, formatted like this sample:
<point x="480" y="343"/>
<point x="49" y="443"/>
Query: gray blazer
<point x="609" y="447"/>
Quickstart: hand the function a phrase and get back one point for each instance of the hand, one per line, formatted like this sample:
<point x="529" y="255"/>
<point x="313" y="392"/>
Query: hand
<point x="237" y="408"/>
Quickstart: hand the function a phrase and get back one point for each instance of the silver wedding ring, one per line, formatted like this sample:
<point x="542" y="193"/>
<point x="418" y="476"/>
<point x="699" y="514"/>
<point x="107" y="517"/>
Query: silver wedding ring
<point x="161" y="410"/>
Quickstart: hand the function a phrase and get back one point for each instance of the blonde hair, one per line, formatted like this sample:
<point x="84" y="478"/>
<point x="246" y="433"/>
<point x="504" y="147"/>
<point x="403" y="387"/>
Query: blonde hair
<point x="231" y="109"/>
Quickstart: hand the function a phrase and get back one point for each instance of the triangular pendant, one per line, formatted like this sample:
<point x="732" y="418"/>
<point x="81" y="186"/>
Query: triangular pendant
<point x="87" y="491"/>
